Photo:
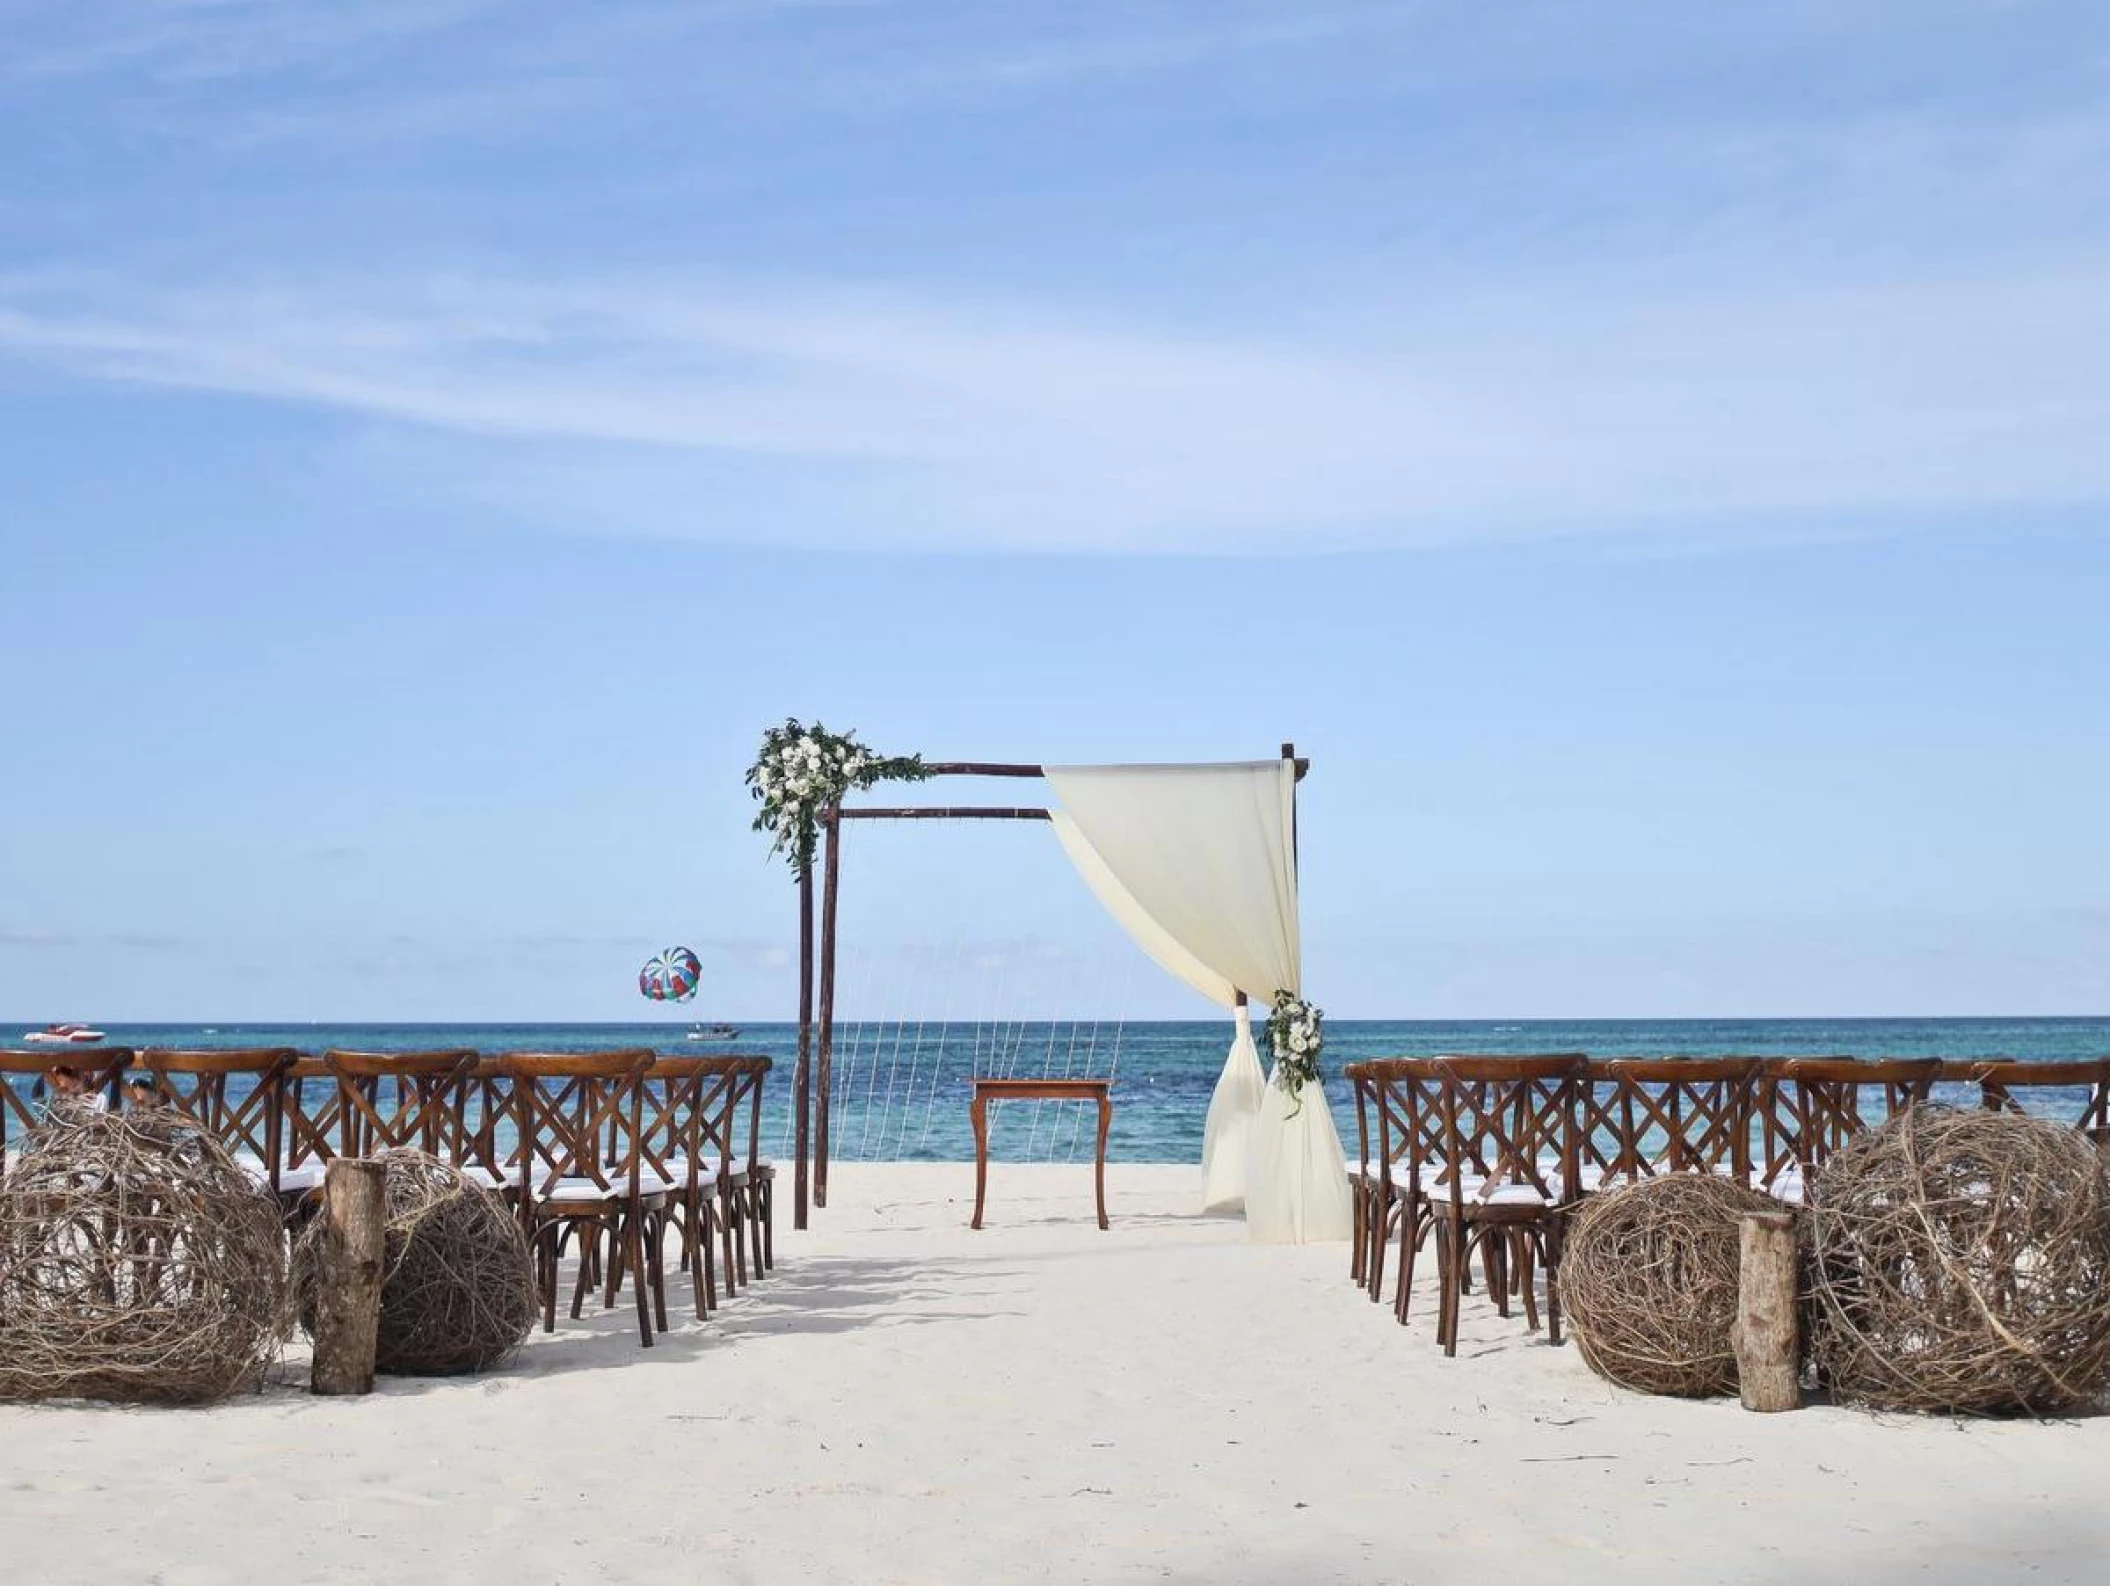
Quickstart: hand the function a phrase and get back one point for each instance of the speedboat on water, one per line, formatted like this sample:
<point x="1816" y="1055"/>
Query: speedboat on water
<point x="713" y="1032"/>
<point x="63" y="1035"/>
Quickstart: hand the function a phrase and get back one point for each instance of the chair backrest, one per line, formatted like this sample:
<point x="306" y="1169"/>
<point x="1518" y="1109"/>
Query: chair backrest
<point x="2084" y="1088"/>
<point x="1512" y="1121"/>
<point x="751" y="1074"/>
<point x="1406" y="1101"/>
<point x="1834" y="1098"/>
<point x="686" y="1114"/>
<point x="310" y="1114"/>
<point x="231" y="1095"/>
<point x="566" y="1106"/>
<point x="402" y="1101"/>
<point x="1361" y="1086"/>
<point x="30" y="1080"/>
<point x="1642" y="1116"/>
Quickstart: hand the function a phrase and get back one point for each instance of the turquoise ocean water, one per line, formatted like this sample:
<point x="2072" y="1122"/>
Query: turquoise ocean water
<point x="901" y="1094"/>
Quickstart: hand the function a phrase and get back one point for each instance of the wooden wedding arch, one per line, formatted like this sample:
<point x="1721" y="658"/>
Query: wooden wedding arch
<point x="813" y="1074"/>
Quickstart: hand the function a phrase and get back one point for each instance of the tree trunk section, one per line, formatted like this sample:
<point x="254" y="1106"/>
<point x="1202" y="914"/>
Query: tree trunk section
<point x="348" y="1276"/>
<point x="1767" y="1337"/>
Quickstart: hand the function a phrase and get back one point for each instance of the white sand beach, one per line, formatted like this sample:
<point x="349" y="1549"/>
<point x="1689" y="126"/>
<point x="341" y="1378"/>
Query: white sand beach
<point x="907" y="1400"/>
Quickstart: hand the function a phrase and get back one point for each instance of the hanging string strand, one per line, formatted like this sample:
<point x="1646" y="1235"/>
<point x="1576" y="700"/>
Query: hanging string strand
<point x="952" y="987"/>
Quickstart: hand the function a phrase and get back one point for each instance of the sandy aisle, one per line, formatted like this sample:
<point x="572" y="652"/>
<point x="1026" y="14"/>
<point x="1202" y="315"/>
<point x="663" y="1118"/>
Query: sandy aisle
<point x="909" y="1401"/>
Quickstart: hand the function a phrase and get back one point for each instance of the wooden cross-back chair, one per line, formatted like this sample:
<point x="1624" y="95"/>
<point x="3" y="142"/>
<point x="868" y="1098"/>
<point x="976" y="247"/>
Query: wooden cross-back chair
<point x="1405" y="1098"/>
<point x="1830" y="1100"/>
<point x="1778" y="1159"/>
<point x="751" y="1176"/>
<point x="684" y="1117"/>
<point x="1645" y="1116"/>
<point x="402" y="1101"/>
<point x="1362" y="1172"/>
<point x="574" y="1185"/>
<point x="310" y="1127"/>
<point x="2008" y="1086"/>
<point x="31" y="1080"/>
<point x="490" y="1142"/>
<point x="232" y="1095"/>
<point x="1510" y="1160"/>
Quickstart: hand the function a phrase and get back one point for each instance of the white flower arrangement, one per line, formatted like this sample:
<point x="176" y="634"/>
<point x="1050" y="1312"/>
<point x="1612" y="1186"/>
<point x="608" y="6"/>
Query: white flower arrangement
<point x="804" y="771"/>
<point x="1296" y="1037"/>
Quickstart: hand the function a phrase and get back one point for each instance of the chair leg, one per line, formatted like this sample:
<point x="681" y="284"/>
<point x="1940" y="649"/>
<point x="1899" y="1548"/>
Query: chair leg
<point x="1450" y="1275"/>
<point x="740" y="1238"/>
<point x="729" y="1236"/>
<point x="546" y="1244"/>
<point x="1358" y="1232"/>
<point x="1553" y="1282"/>
<point x="656" y="1265"/>
<point x="1521" y="1243"/>
<point x="589" y="1267"/>
<point x="766" y="1199"/>
<point x="754" y="1221"/>
<point x="1374" y="1246"/>
<point x="1410" y="1234"/>
<point x="614" y="1285"/>
<point x="707" y="1243"/>
<point x="696" y="1246"/>
<point x="633" y="1252"/>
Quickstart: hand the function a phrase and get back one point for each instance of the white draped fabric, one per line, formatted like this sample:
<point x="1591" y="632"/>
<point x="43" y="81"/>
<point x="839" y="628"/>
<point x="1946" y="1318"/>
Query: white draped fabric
<point x="1296" y="1179"/>
<point x="1198" y="863"/>
<point x="1135" y="919"/>
<point x="1231" y="1109"/>
<point x="1205" y="853"/>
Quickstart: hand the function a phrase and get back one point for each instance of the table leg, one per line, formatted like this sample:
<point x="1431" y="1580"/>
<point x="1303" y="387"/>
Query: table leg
<point x="1106" y="1117"/>
<point x="978" y="1115"/>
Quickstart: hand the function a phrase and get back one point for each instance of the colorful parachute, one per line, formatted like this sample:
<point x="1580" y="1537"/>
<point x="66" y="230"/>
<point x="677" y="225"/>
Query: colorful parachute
<point x="671" y="977"/>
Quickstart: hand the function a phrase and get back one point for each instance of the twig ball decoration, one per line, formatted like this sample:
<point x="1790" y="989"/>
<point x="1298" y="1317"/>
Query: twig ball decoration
<point x="1648" y="1280"/>
<point x="458" y="1284"/>
<point x="138" y="1263"/>
<point x="1962" y="1264"/>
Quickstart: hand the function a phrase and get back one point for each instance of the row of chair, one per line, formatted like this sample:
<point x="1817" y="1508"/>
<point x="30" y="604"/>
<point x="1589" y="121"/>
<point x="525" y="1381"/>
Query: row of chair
<point x="607" y="1152"/>
<point x="1490" y="1154"/>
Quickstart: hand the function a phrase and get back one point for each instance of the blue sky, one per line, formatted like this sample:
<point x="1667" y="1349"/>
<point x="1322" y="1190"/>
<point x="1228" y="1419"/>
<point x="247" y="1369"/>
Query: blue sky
<point x="1649" y="455"/>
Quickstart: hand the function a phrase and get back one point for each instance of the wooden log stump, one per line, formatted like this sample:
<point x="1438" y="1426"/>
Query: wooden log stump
<point x="348" y="1276"/>
<point x="1766" y="1336"/>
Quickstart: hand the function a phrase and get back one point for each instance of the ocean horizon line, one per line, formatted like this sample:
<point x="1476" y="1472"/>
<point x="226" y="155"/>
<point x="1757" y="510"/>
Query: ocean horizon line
<point x="1336" y="1022"/>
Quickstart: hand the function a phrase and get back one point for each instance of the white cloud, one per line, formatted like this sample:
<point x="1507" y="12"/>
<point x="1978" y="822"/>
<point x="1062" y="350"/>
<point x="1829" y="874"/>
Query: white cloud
<point x="843" y="416"/>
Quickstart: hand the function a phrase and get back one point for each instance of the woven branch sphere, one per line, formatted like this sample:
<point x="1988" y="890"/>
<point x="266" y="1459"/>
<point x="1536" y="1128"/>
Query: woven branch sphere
<point x="458" y="1291"/>
<point x="1649" y="1282"/>
<point x="138" y="1263"/>
<point x="1963" y="1265"/>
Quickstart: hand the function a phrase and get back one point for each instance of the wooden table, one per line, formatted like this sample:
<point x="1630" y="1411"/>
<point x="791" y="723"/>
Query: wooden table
<point x="1031" y="1089"/>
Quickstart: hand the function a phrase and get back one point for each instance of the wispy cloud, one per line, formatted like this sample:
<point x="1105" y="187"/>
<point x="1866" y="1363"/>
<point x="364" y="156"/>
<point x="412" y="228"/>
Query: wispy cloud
<point x="30" y="937"/>
<point x="1014" y="426"/>
<point x="219" y="39"/>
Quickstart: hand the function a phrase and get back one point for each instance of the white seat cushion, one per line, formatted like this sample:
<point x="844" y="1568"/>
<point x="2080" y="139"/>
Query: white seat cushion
<point x="477" y="1173"/>
<point x="1513" y="1195"/>
<point x="678" y="1170"/>
<point x="585" y="1189"/>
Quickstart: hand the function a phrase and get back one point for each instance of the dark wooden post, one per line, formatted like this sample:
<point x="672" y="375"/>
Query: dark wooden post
<point x="824" y="1081"/>
<point x="1289" y="753"/>
<point x="348" y="1276"/>
<point x="1766" y="1337"/>
<point x="802" y="1074"/>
